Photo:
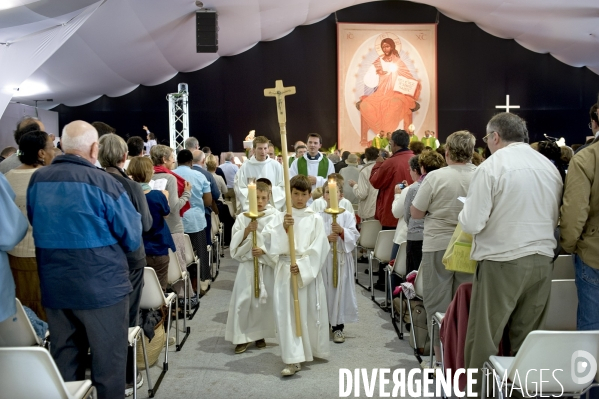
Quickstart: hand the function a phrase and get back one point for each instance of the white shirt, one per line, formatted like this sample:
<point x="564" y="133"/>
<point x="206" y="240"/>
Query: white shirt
<point x="269" y="169"/>
<point x="512" y="205"/>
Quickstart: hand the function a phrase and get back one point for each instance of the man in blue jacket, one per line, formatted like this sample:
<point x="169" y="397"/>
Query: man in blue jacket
<point x="83" y="223"/>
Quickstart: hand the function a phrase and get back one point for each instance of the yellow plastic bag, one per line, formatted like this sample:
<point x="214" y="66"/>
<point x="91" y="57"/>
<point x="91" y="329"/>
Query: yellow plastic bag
<point x="457" y="255"/>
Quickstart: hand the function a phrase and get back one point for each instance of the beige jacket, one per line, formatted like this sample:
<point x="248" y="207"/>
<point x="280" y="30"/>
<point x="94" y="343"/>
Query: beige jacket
<point x="580" y="207"/>
<point x="365" y="193"/>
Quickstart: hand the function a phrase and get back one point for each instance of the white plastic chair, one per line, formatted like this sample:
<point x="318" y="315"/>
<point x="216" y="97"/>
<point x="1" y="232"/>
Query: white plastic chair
<point x="175" y="275"/>
<point x="30" y="372"/>
<point x="381" y="253"/>
<point x="134" y="334"/>
<point x="152" y="297"/>
<point x="369" y="231"/>
<point x="191" y="259"/>
<point x="548" y="350"/>
<point x="563" y="268"/>
<point x="17" y="330"/>
<point x="562" y="307"/>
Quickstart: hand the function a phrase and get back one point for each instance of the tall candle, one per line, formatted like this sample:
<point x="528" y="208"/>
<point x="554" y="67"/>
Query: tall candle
<point x="253" y="198"/>
<point x="333" y="198"/>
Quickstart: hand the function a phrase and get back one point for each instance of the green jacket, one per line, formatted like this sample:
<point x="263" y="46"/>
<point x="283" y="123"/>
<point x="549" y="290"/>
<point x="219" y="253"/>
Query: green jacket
<point x="580" y="206"/>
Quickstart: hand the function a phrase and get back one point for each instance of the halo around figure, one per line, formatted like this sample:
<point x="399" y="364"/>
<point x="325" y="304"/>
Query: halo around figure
<point x="392" y="36"/>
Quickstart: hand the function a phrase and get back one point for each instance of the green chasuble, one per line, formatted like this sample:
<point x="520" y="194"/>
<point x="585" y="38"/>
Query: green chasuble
<point x="291" y="159"/>
<point x="430" y="142"/>
<point x="323" y="166"/>
<point x="380" y="142"/>
<point x="414" y="138"/>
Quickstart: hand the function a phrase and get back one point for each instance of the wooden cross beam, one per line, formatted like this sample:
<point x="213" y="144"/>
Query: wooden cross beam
<point x="279" y="92"/>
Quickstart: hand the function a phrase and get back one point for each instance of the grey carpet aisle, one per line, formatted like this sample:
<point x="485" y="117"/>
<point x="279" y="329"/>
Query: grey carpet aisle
<point x="207" y="366"/>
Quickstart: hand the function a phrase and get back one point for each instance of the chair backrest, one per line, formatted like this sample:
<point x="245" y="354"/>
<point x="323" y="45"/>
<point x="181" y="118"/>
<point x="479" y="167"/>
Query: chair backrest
<point x="563" y="268"/>
<point x="369" y="231"/>
<point x="174" y="270"/>
<point x="562" y="307"/>
<point x="190" y="256"/>
<point x="384" y="245"/>
<point x="231" y="210"/>
<point x="30" y="373"/>
<point x="555" y="350"/>
<point x="17" y="330"/>
<point x="400" y="266"/>
<point x="419" y="284"/>
<point x="152" y="296"/>
<point x="215" y="224"/>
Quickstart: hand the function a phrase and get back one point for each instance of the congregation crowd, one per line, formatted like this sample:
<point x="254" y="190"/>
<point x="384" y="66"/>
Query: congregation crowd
<point x="80" y="223"/>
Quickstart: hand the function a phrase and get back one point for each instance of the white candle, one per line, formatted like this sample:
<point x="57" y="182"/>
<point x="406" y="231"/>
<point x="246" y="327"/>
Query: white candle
<point x="253" y="198"/>
<point x="333" y="198"/>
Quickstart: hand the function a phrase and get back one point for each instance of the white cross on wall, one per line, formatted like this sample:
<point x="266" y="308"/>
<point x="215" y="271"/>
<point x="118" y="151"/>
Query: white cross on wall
<point x="507" y="105"/>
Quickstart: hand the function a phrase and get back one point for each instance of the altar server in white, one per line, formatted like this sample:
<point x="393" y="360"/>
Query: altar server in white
<point x="320" y="204"/>
<point x="311" y="249"/>
<point x="251" y="319"/>
<point x="260" y="165"/>
<point x="315" y="165"/>
<point x="341" y="301"/>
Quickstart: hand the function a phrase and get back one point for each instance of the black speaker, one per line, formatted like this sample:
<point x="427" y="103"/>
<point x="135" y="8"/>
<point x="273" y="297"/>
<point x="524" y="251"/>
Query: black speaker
<point x="206" y="31"/>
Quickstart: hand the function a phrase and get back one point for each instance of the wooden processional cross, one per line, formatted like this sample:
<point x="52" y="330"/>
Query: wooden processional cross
<point x="279" y="92"/>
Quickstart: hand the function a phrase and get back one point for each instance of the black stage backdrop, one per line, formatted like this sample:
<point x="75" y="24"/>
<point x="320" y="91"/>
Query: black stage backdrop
<point x="475" y="72"/>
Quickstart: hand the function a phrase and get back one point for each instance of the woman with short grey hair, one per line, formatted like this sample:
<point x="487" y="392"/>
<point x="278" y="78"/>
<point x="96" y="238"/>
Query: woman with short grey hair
<point x="437" y="203"/>
<point x="112" y="155"/>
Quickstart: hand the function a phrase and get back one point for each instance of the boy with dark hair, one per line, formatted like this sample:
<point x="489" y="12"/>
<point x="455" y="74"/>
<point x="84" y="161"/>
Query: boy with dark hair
<point x="252" y="319"/>
<point x="311" y="249"/>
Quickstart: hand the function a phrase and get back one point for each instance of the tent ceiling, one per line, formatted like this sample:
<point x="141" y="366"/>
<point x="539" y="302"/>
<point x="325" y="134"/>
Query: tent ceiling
<point x="126" y="43"/>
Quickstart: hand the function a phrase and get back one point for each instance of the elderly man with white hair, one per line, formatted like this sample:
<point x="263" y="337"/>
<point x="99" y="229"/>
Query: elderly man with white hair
<point x="83" y="224"/>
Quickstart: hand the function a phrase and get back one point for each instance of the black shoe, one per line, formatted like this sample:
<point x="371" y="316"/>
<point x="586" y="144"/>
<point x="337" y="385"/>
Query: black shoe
<point x="362" y="259"/>
<point x="374" y="272"/>
<point x="379" y="286"/>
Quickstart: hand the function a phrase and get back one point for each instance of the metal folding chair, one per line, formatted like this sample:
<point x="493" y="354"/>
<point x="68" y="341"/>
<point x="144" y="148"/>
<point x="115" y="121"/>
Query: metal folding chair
<point x="191" y="259"/>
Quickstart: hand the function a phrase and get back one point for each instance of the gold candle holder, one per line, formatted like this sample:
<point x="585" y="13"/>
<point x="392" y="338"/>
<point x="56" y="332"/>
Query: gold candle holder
<point x="334" y="213"/>
<point x="254" y="243"/>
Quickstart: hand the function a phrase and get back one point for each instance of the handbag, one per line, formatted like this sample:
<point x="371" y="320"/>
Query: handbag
<point x="457" y="254"/>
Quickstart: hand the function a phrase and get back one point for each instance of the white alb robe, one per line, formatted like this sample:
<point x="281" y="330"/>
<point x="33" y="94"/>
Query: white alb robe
<point x="320" y="205"/>
<point x="311" y="248"/>
<point x="269" y="169"/>
<point x="248" y="319"/>
<point x="313" y="170"/>
<point x="341" y="301"/>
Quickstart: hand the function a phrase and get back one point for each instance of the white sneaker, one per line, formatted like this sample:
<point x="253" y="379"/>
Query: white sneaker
<point x="291" y="369"/>
<point x="338" y="337"/>
<point x="129" y="387"/>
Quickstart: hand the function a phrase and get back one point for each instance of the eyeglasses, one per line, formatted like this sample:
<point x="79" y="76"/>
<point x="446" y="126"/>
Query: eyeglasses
<point x="486" y="138"/>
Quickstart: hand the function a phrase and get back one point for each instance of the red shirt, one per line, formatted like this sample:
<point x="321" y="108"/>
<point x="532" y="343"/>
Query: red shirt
<point x="385" y="176"/>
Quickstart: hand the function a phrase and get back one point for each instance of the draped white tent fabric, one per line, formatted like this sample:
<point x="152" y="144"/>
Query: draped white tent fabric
<point x="22" y="56"/>
<point x="126" y="43"/>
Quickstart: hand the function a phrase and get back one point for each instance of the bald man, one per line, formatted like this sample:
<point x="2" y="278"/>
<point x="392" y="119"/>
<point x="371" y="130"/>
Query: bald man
<point x="83" y="224"/>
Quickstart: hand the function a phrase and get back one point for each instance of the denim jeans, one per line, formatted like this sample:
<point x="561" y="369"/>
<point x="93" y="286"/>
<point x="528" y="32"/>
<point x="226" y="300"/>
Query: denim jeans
<point x="587" y="285"/>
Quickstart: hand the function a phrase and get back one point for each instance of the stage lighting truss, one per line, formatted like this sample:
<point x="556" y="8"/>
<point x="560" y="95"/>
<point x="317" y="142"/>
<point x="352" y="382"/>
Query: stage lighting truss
<point x="178" y="117"/>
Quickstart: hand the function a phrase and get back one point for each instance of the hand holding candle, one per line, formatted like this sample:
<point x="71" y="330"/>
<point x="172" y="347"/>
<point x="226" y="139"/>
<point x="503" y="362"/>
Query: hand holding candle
<point x="252" y="197"/>
<point x="333" y="198"/>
